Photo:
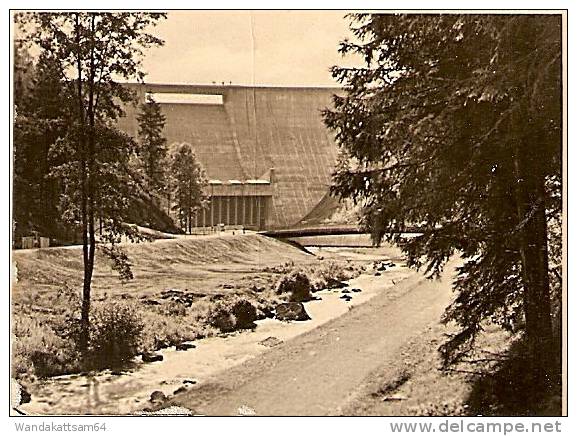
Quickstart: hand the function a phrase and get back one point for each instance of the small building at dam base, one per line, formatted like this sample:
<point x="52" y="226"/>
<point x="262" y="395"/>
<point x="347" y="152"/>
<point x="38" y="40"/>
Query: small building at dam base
<point x="236" y="203"/>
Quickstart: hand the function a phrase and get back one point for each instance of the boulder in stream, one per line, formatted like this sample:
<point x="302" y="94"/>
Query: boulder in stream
<point x="184" y="346"/>
<point x="151" y="357"/>
<point x="157" y="397"/>
<point x="292" y="311"/>
<point x="180" y="390"/>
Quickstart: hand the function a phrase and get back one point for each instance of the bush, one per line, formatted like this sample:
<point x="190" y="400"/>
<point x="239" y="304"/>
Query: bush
<point x="161" y="330"/>
<point x="244" y="313"/>
<point x="38" y="351"/>
<point x="231" y="313"/>
<point x="335" y="271"/>
<point x="48" y="344"/>
<point x="326" y="275"/>
<point x="265" y="303"/>
<point x="115" y="333"/>
<point x="332" y="274"/>
<point x="280" y="269"/>
<point x="297" y="285"/>
<point x="172" y="308"/>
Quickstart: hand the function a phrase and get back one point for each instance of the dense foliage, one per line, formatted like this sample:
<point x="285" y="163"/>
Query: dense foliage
<point x="41" y="107"/>
<point x="454" y="125"/>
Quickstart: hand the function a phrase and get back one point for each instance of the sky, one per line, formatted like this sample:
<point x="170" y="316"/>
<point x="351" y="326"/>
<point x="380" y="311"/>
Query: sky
<point x="260" y="47"/>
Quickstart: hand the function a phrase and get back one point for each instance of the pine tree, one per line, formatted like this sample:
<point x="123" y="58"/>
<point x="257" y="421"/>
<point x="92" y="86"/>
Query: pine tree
<point x="152" y="146"/>
<point x="187" y="182"/>
<point x="454" y="124"/>
<point x="41" y="118"/>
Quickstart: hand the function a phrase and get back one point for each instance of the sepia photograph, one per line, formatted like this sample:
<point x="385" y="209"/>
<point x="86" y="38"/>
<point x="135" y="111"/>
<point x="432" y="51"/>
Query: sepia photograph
<point x="288" y="213"/>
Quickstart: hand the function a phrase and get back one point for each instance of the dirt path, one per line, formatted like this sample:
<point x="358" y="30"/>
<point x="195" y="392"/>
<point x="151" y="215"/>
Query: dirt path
<point x="317" y="372"/>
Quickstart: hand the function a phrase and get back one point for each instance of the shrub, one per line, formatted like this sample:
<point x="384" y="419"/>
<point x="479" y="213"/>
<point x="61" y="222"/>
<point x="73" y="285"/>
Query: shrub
<point x="47" y="345"/>
<point x="115" y="332"/>
<point x="161" y="331"/>
<point x="332" y="274"/>
<point x="336" y="271"/>
<point x="280" y="269"/>
<point x="172" y="308"/>
<point x="297" y="285"/>
<point x="265" y="303"/>
<point x="327" y="275"/>
<point x="38" y="351"/>
<point x="224" y="321"/>
<point x="231" y="313"/>
<point x="244" y="313"/>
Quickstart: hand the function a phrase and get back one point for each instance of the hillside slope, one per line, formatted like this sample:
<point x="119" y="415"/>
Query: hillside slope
<point x="184" y="263"/>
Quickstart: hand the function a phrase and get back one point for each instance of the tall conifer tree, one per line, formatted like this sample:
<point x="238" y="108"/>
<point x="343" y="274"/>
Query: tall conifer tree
<point x="454" y="124"/>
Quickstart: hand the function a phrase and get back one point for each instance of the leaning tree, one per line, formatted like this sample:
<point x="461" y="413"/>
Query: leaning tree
<point x="453" y="123"/>
<point x="94" y="51"/>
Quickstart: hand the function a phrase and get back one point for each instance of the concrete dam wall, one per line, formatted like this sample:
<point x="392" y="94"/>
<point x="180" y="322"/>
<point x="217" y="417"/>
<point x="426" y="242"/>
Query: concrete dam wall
<point x="251" y="135"/>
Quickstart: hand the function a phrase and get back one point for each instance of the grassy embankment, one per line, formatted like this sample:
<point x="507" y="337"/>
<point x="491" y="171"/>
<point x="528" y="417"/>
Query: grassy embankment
<point x="181" y="291"/>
